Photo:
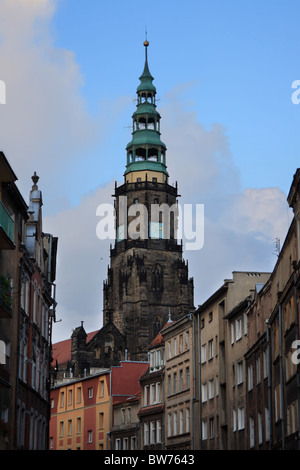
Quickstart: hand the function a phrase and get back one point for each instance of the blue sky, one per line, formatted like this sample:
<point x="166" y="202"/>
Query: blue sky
<point x="223" y="72"/>
<point x="239" y="56"/>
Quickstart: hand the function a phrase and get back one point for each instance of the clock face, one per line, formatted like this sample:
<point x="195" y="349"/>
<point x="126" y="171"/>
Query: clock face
<point x="156" y="230"/>
<point x="120" y="233"/>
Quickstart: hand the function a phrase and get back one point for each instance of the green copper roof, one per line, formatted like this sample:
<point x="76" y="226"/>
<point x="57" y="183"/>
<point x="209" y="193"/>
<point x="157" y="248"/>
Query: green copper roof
<point x="146" y="78"/>
<point x="146" y="143"/>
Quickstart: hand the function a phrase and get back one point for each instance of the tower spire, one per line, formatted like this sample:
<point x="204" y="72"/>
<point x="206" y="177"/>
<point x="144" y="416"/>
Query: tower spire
<point x="146" y="153"/>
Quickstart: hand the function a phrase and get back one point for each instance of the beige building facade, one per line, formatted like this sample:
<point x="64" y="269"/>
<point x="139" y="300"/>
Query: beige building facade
<point x="178" y="384"/>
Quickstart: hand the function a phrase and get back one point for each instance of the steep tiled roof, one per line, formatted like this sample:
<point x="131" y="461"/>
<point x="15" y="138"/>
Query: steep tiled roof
<point x="158" y="338"/>
<point x="61" y="351"/>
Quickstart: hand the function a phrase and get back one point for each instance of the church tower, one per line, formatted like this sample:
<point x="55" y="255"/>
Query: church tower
<point x="147" y="277"/>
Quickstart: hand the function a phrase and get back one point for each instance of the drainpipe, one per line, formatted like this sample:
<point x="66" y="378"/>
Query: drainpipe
<point x="281" y="378"/>
<point x="269" y="381"/>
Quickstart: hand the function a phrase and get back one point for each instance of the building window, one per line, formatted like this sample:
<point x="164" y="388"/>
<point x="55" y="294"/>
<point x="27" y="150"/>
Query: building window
<point x="211" y="428"/>
<point x="232" y="332"/>
<point x="204" y="392"/>
<point x="133" y="443"/>
<point x="61" y="429"/>
<point x="241" y="418"/>
<point x="175" y="382"/>
<point x="251" y="432"/>
<point x="90" y="392"/>
<point x="146" y="434"/>
<point x="175" y="346"/>
<point x="239" y="372"/>
<point x="158" y="431"/>
<point x="187" y="420"/>
<point x="146" y="393"/>
<point x="123" y="415"/>
<point x="203" y="353"/>
<point x="234" y="420"/>
<point x="169" y="424"/>
<point x="260" y="433"/>
<point x="70" y="400"/>
<point x="211" y="389"/>
<point x="169" y="350"/>
<point x="101" y="420"/>
<point x="175" y="423"/>
<point x="258" y="370"/>
<point x="187" y="377"/>
<point x="210" y="316"/>
<point x="169" y="385"/>
<point x="90" y="436"/>
<point x="210" y="349"/>
<point x="267" y="424"/>
<point x="265" y="364"/>
<point x="118" y="444"/>
<point x="204" y="430"/>
<point x="152" y="432"/>
<point x="238" y="329"/>
<point x="78" y="425"/>
<point x="250" y="377"/>
<point x="187" y="339"/>
<point x="181" y="422"/>
<point x="180" y="344"/>
<point x="101" y="388"/>
<point x="125" y="443"/>
<point x="128" y="415"/>
<point x="69" y="427"/>
<point x="62" y="399"/>
<point x="79" y="395"/>
<point x="180" y="380"/>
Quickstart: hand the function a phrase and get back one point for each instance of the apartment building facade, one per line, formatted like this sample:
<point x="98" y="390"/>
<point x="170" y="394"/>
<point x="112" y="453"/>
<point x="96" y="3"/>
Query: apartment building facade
<point x="272" y="360"/>
<point x="219" y="346"/>
<point x="27" y="310"/>
<point x="179" y="384"/>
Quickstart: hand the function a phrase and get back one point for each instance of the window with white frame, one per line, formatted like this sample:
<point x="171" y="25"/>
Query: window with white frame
<point x="234" y="420"/>
<point x="158" y="431"/>
<point x="180" y="421"/>
<point x="239" y="373"/>
<point x="187" y="339"/>
<point x="146" y="434"/>
<point x="211" y="390"/>
<point x="204" y="430"/>
<point x="125" y="443"/>
<point x="152" y="432"/>
<point x="232" y="332"/>
<point x="175" y="382"/>
<point x="180" y="380"/>
<point x="175" y="423"/>
<point x="117" y="444"/>
<point x="187" y="377"/>
<point x="211" y="428"/>
<point x="175" y="346"/>
<point x="238" y="328"/>
<point x="90" y="436"/>
<point x="241" y="418"/>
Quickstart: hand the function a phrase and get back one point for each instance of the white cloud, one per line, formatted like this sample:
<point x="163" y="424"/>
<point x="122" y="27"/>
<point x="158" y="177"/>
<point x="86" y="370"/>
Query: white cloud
<point x="46" y="127"/>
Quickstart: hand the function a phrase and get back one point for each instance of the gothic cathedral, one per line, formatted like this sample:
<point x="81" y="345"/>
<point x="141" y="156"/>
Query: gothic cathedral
<point x="147" y="278"/>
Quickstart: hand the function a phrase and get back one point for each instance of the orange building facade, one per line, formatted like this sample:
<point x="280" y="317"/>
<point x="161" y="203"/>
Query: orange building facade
<point x="81" y="408"/>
